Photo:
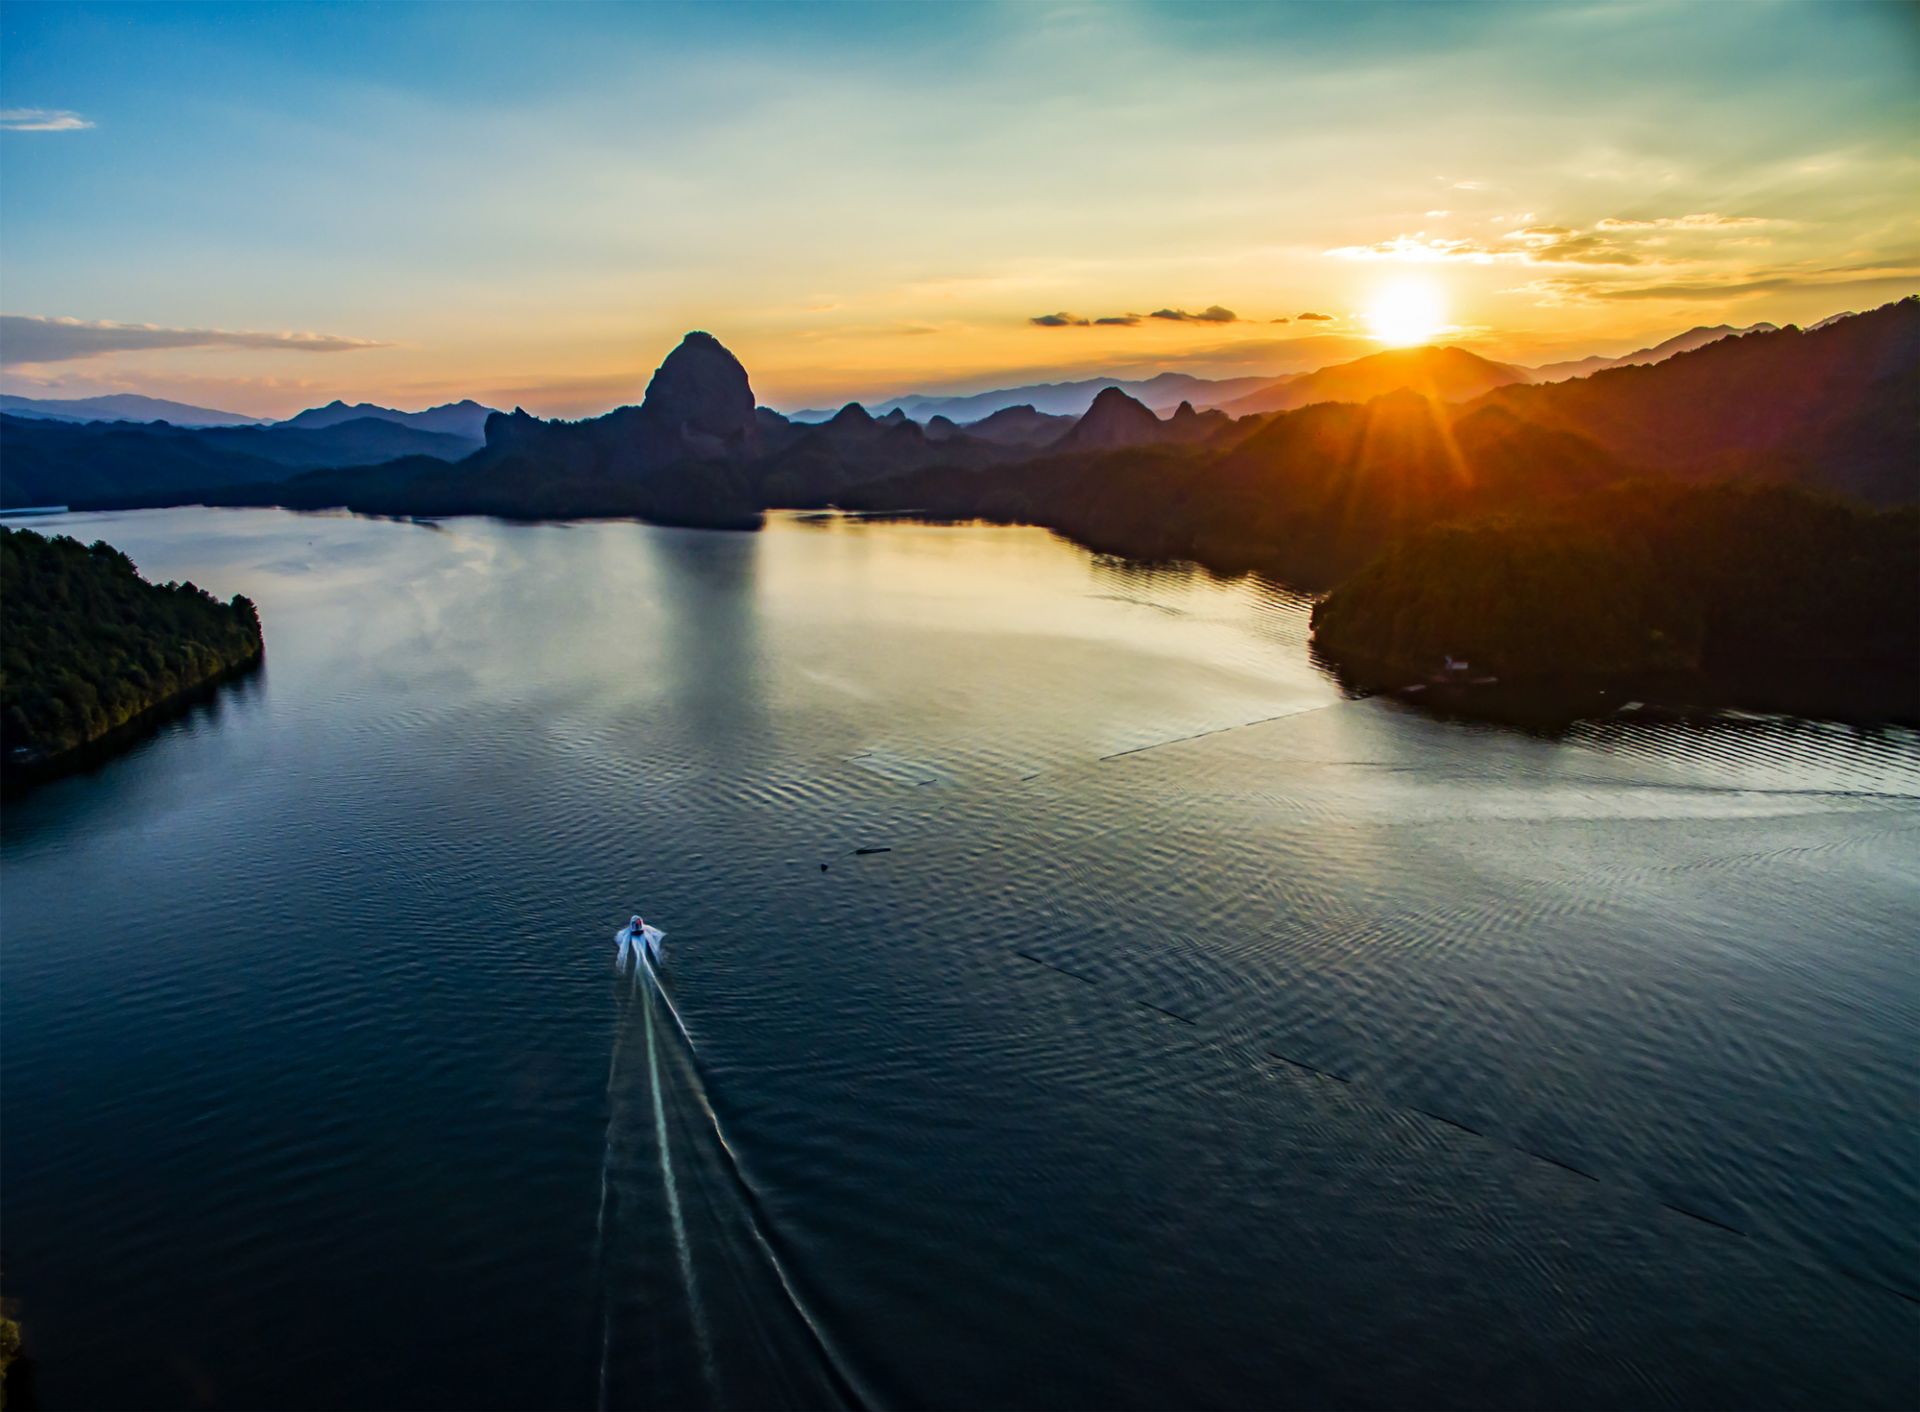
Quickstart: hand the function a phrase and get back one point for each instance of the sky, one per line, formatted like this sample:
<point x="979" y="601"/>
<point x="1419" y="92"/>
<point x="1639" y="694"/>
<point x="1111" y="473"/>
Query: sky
<point x="261" y="208"/>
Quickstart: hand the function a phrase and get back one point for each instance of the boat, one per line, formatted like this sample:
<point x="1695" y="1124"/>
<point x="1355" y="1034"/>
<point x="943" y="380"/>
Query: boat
<point x="638" y="934"/>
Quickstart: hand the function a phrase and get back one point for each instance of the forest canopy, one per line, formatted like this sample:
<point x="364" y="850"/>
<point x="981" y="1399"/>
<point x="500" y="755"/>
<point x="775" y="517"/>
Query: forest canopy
<point x="1726" y="582"/>
<point x="87" y="645"/>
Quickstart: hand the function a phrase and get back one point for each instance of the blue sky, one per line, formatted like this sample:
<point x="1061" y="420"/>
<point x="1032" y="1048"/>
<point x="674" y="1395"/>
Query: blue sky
<point x="530" y="203"/>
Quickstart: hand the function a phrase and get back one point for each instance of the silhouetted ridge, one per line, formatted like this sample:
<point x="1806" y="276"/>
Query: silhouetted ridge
<point x="1831" y="407"/>
<point x="466" y="418"/>
<point x="1680" y="343"/>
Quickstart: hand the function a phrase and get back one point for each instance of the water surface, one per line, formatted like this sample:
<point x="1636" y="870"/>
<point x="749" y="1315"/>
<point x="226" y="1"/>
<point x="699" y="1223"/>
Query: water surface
<point x="1204" y="1038"/>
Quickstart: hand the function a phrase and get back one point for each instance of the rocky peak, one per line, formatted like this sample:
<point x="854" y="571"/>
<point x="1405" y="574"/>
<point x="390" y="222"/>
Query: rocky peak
<point x="700" y="397"/>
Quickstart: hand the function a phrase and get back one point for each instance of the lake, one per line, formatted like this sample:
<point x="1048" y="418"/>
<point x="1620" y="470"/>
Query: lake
<point x="1203" y="1037"/>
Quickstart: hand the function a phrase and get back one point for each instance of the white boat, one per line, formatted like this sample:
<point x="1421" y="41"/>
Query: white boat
<point x="636" y="934"/>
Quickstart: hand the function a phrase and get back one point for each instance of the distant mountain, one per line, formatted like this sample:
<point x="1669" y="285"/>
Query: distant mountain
<point x="1161" y="393"/>
<point x="1441" y="374"/>
<point x="466" y="419"/>
<point x="1014" y="426"/>
<point x="1680" y="343"/>
<point x="49" y="462"/>
<point x="122" y="407"/>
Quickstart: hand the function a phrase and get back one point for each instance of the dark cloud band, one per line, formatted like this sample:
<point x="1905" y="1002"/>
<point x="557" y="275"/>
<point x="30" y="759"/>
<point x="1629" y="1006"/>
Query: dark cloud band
<point x="1212" y="314"/>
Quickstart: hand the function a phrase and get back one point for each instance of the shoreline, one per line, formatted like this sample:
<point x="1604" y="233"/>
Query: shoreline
<point x="1554" y="702"/>
<point x="1886" y="694"/>
<point x="19" y="774"/>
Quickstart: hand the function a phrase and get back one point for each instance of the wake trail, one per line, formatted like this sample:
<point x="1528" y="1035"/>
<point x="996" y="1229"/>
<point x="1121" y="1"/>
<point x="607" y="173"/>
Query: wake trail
<point x="600" y="1217"/>
<point x="758" y="1224"/>
<point x="683" y="1249"/>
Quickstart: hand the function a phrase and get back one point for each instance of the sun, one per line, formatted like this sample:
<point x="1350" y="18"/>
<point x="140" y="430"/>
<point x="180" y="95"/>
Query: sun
<point x="1406" y="312"/>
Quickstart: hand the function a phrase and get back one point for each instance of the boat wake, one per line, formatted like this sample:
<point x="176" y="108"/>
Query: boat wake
<point x="677" y="1180"/>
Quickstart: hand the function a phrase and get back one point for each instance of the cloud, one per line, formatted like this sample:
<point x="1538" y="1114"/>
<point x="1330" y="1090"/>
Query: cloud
<point x="1700" y="220"/>
<point x="1738" y="284"/>
<point x="1119" y="320"/>
<point x="42" y="120"/>
<point x="1421" y="248"/>
<point x="1059" y="320"/>
<point x="1212" y="314"/>
<point x="32" y="338"/>
<point x="1279" y="321"/>
<point x="1315" y="318"/>
<point x="1557" y="245"/>
<point x="1615" y="240"/>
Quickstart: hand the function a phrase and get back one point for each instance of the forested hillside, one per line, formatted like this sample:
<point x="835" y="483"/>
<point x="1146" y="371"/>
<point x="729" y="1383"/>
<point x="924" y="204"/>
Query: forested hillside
<point x="87" y="645"/>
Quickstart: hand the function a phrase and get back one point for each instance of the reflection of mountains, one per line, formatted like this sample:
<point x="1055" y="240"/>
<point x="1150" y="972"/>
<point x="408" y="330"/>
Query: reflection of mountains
<point x="708" y="589"/>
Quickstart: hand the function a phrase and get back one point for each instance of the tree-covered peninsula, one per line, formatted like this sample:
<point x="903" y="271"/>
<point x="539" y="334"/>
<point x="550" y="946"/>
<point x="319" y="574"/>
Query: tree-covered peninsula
<point x="87" y="646"/>
<point x="1763" y="594"/>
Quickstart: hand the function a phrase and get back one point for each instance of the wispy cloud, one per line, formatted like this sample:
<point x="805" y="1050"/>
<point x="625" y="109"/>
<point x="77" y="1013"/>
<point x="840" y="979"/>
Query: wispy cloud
<point x="1615" y="240"/>
<point x="1738" y="284"/>
<point x="42" y="120"/>
<point x="1060" y="320"/>
<point x="33" y="338"/>
<point x="1315" y="318"/>
<point x="1700" y="220"/>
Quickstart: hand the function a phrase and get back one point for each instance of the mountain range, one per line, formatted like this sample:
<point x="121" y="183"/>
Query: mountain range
<point x="48" y="461"/>
<point x="1262" y="393"/>
<point x="1306" y="492"/>
<point x="465" y="419"/>
<point x="121" y="407"/>
<point x="1162" y="392"/>
<point x="1354" y="379"/>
